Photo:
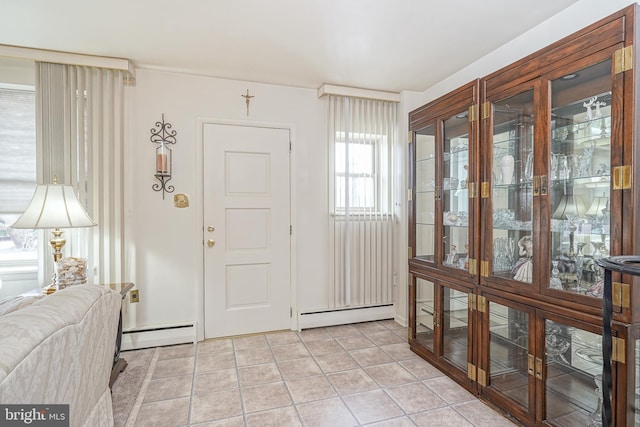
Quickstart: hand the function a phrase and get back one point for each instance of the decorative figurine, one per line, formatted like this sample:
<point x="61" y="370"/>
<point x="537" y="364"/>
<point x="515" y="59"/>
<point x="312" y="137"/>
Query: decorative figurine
<point x="452" y="257"/>
<point x="523" y="269"/>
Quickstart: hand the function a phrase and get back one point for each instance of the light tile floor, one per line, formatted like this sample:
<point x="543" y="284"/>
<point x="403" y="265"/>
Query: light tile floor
<point x="350" y="375"/>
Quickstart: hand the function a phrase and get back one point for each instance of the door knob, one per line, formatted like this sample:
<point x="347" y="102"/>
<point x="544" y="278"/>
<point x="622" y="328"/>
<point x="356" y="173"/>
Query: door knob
<point x="210" y="228"/>
<point x="211" y="242"/>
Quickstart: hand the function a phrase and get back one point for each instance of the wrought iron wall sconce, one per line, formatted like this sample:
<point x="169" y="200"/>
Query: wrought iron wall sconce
<point x="162" y="135"/>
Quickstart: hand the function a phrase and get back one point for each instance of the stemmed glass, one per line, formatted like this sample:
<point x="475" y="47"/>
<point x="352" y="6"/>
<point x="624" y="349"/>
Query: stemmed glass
<point x="554" y="166"/>
<point x="579" y="266"/>
<point x="555" y="282"/>
<point x="528" y="168"/>
<point x="596" y="246"/>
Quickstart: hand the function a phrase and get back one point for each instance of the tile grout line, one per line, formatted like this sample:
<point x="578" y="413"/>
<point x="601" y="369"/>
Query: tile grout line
<point x="325" y="374"/>
<point x="242" y="405"/>
<point x="193" y="382"/>
<point x="133" y="415"/>
<point x="284" y="382"/>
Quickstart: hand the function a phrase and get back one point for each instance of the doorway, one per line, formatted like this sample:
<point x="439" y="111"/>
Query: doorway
<point x="247" y="229"/>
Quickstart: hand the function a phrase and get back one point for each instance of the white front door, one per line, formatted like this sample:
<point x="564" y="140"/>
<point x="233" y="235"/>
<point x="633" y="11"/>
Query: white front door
<point x="247" y="284"/>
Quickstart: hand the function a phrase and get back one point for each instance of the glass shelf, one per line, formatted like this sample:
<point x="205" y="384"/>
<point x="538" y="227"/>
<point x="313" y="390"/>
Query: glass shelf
<point x="456" y="156"/>
<point x="430" y="159"/>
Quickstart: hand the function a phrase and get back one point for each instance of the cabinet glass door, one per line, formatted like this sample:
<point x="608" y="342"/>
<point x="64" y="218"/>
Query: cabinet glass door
<point x="425" y="170"/>
<point x="580" y="175"/>
<point x="573" y="381"/>
<point x="455" y="327"/>
<point x="512" y="182"/>
<point x="425" y="312"/>
<point x="455" y="195"/>
<point x="509" y="352"/>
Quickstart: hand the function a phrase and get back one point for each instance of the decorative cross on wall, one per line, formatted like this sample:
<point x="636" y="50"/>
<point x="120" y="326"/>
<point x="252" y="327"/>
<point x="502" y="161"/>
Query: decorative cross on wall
<point x="247" y="99"/>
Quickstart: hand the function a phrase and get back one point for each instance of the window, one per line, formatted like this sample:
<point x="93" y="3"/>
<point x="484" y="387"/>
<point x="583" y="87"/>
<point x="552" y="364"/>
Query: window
<point x="356" y="164"/>
<point x="18" y="248"/>
<point x="361" y="132"/>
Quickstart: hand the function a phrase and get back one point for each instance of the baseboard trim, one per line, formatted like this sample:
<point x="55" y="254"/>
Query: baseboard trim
<point x="319" y="319"/>
<point x="157" y="336"/>
<point x="401" y="320"/>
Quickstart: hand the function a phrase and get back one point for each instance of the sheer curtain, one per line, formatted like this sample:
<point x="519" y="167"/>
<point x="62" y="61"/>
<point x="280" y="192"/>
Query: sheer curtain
<point x="361" y="137"/>
<point x="80" y="133"/>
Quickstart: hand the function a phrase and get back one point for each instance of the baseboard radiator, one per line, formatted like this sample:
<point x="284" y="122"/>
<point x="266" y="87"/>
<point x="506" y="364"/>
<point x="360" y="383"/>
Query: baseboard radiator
<point x="344" y="316"/>
<point x="158" y="336"/>
<point x="362" y="262"/>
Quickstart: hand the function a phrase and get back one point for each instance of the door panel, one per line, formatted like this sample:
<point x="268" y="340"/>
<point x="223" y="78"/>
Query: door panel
<point x="246" y="229"/>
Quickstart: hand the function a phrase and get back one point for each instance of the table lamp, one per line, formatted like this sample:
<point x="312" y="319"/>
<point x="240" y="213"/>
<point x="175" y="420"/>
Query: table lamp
<point x="54" y="206"/>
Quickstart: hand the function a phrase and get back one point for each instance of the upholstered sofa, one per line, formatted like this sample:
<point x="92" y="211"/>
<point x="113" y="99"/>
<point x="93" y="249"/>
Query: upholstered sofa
<point x="58" y="349"/>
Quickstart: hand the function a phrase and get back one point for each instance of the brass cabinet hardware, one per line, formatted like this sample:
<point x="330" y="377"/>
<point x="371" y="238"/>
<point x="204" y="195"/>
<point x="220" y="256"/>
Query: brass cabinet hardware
<point x="618" y="350"/>
<point x="482" y="304"/>
<point x="473" y="113"/>
<point x="536" y="186"/>
<point x="482" y="377"/>
<point x="409" y="195"/>
<point x="486" y="110"/>
<point x="471" y="371"/>
<point x="473" y="190"/>
<point x="211" y="229"/>
<point x="621" y="294"/>
<point x="484" y="190"/>
<point x="473" y="266"/>
<point x="626" y="177"/>
<point x="531" y="361"/>
<point x="410" y="137"/>
<point x="543" y="185"/>
<point x="538" y="368"/>
<point x="623" y="59"/>
<point x="472" y="301"/>
<point x="616" y="177"/>
<point x="621" y="176"/>
<point x="484" y="268"/>
<point x="211" y="243"/>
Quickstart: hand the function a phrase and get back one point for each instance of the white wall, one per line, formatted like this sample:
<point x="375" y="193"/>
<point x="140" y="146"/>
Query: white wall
<point x="164" y="242"/>
<point x="570" y="20"/>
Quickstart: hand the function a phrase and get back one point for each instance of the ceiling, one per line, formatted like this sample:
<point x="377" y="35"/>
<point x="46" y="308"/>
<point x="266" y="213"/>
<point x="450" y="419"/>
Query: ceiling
<point x="389" y="45"/>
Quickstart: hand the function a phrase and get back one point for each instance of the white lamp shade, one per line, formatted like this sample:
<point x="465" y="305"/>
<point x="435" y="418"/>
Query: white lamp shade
<point x="598" y="204"/>
<point x="567" y="208"/>
<point x="54" y="206"/>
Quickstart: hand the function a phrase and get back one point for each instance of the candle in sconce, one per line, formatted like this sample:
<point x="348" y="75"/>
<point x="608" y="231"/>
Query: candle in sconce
<point x="162" y="161"/>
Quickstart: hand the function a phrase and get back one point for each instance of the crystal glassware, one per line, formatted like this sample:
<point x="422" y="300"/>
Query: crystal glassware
<point x="555" y="282"/>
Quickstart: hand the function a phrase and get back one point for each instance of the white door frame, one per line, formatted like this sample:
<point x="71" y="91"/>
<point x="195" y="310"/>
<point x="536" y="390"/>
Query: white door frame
<point x="198" y="205"/>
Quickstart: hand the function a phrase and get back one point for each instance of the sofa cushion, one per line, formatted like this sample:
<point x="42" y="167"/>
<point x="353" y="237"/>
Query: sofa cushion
<point x="60" y="350"/>
<point x="13" y="303"/>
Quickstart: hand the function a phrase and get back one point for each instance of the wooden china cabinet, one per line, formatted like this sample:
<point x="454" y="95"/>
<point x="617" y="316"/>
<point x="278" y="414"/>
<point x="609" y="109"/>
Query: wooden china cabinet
<point x="520" y="182"/>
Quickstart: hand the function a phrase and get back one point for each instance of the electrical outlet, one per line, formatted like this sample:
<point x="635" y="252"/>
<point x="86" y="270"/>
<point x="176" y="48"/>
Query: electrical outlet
<point x="134" y="295"/>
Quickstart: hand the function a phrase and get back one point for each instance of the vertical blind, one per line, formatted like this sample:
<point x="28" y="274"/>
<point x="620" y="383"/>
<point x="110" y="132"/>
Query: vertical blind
<point x="80" y="140"/>
<point x="361" y="138"/>
<point x="18" y="143"/>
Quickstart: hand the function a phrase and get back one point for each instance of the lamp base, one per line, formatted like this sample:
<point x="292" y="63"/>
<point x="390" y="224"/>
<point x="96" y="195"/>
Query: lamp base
<point x="51" y="287"/>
